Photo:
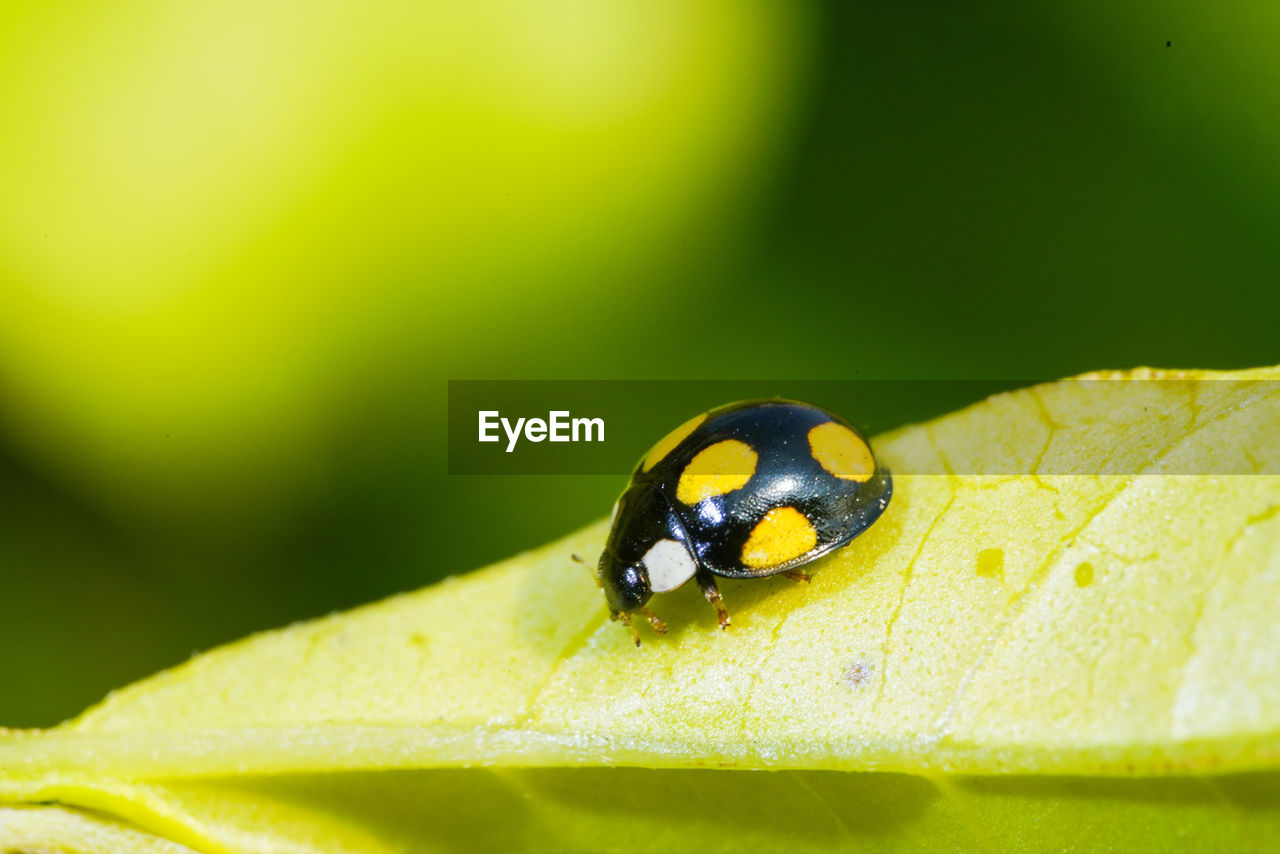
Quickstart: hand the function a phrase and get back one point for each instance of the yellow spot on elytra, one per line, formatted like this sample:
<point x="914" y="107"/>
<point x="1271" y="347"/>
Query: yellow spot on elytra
<point x="841" y="452"/>
<point x="783" y="534"/>
<point x="669" y="441"/>
<point x="721" y="468"/>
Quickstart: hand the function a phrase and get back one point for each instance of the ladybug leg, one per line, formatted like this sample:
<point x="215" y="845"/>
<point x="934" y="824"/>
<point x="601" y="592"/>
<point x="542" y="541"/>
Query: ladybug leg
<point x="654" y="620"/>
<point x="625" y="618"/>
<point x="796" y="575"/>
<point x="707" y="582"/>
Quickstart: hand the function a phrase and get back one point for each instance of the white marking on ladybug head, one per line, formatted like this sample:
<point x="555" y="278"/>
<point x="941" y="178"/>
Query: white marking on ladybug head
<point x="669" y="565"/>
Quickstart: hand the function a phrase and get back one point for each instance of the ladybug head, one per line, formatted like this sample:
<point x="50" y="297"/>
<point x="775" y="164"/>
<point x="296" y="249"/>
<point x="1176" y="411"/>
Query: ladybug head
<point x="626" y="586"/>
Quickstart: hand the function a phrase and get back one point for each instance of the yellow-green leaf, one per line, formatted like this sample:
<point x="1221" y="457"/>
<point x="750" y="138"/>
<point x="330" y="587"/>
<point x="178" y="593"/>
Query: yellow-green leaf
<point x="1077" y="646"/>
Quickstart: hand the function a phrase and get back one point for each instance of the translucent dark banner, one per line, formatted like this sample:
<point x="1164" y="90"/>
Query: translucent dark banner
<point x="1080" y="427"/>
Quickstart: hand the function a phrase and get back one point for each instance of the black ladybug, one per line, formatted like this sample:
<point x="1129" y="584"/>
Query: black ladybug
<point x="744" y="491"/>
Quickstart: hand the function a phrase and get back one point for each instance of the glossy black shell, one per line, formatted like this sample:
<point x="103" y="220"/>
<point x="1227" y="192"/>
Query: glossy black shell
<point x="786" y="475"/>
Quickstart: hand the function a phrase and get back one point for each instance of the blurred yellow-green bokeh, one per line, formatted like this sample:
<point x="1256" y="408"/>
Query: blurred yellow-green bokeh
<point x="244" y="246"/>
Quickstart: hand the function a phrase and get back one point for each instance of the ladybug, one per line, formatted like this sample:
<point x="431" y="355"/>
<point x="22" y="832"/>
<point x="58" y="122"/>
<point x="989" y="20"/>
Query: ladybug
<point x="747" y="490"/>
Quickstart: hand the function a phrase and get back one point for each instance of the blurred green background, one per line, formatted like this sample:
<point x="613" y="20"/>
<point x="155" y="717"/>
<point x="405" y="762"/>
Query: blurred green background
<point x="243" y="247"/>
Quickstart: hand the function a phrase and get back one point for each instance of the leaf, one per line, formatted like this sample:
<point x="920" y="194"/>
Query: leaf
<point x="1081" y="655"/>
